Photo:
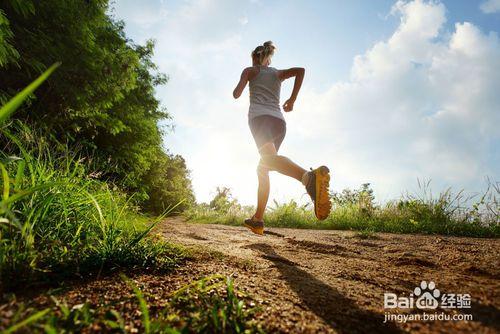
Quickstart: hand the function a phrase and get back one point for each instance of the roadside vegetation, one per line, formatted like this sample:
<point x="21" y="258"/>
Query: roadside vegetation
<point x="447" y="213"/>
<point x="60" y="220"/>
<point x="85" y="177"/>
<point x="83" y="171"/>
<point x="209" y="305"/>
<point x="100" y="101"/>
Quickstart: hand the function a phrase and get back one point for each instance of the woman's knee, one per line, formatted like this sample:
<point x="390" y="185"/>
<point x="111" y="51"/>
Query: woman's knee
<point x="269" y="161"/>
<point x="262" y="171"/>
<point x="267" y="149"/>
<point x="267" y="153"/>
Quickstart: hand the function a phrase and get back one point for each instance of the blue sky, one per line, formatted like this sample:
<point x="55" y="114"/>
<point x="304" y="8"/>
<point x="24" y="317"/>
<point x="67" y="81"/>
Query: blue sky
<point x="395" y="91"/>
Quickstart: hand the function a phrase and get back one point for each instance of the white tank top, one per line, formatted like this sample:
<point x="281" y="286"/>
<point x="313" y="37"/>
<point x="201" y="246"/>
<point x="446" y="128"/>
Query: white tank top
<point x="265" y="94"/>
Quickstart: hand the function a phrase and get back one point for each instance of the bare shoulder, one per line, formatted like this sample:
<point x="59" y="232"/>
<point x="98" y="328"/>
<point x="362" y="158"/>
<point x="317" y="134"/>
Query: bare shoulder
<point x="290" y="72"/>
<point x="251" y="72"/>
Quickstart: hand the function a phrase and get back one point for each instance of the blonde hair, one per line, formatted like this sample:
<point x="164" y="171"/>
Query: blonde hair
<point x="263" y="52"/>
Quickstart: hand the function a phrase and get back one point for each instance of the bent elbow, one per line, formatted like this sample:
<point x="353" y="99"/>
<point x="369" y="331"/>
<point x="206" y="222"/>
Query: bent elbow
<point x="236" y="95"/>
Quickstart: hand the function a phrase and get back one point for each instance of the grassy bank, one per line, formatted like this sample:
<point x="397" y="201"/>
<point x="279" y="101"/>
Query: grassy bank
<point x="447" y="213"/>
<point x="58" y="219"/>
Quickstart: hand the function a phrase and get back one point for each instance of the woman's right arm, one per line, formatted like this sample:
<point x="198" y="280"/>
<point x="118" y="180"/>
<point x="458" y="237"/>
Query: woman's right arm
<point x="241" y="84"/>
<point x="298" y="73"/>
<point x="248" y="74"/>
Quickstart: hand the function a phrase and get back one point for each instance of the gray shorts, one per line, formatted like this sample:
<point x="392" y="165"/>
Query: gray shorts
<point x="267" y="129"/>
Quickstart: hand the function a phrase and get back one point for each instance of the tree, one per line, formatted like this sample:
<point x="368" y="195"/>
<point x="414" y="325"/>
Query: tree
<point x="101" y="99"/>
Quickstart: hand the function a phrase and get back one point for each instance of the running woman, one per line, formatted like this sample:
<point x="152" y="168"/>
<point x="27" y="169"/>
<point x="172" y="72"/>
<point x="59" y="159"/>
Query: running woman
<point x="268" y="128"/>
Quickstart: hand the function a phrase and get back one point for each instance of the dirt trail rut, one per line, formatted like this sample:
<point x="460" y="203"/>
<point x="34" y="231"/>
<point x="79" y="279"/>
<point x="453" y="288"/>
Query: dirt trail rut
<point x="334" y="281"/>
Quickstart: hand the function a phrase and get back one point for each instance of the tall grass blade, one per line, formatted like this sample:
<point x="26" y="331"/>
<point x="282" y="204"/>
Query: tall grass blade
<point x="26" y="155"/>
<point x="6" y="183"/>
<point x="19" y="175"/>
<point x="97" y="206"/>
<point x="26" y="321"/>
<point x="24" y="193"/>
<point x="143" y="306"/>
<point x="159" y="219"/>
<point x="17" y="100"/>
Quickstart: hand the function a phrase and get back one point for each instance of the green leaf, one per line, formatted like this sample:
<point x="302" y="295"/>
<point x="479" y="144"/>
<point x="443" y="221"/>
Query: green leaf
<point x="21" y="194"/>
<point x="6" y="182"/>
<point x="19" y="175"/>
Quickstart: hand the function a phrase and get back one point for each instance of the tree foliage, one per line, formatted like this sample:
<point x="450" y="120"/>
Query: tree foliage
<point x="102" y="98"/>
<point x="223" y="200"/>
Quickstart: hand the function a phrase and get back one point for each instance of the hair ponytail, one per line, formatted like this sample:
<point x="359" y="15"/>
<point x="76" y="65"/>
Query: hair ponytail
<point x="263" y="52"/>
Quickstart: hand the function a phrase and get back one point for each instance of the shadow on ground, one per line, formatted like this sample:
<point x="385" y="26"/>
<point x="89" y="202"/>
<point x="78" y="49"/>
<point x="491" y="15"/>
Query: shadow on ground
<point x="341" y="313"/>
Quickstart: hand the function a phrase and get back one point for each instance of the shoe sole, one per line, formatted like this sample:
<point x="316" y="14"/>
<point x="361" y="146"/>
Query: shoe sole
<point x="322" y="204"/>
<point x="256" y="230"/>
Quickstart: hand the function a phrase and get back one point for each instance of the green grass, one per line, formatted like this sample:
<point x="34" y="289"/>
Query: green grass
<point x="58" y="219"/>
<point x="447" y="213"/>
<point x="209" y="305"/>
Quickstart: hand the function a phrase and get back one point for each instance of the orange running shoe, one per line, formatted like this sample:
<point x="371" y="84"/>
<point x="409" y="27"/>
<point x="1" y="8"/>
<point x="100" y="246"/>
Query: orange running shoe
<point x="317" y="187"/>
<point x="256" y="226"/>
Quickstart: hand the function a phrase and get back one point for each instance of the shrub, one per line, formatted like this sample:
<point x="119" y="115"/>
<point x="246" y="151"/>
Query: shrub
<point x="57" y="218"/>
<point x="448" y="213"/>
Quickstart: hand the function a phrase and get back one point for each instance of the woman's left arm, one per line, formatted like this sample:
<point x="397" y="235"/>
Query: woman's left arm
<point x="298" y="73"/>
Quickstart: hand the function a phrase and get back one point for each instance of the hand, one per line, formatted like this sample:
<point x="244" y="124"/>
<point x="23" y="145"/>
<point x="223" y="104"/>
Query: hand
<point x="288" y="105"/>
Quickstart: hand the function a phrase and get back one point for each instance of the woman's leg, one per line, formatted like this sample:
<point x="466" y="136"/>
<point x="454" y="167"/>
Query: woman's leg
<point x="270" y="160"/>
<point x="262" y="192"/>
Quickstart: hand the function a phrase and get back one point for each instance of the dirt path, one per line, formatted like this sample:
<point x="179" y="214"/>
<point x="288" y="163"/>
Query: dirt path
<point x="334" y="281"/>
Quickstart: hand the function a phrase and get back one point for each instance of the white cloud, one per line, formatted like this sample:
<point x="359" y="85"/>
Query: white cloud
<point x="422" y="104"/>
<point x="243" y="20"/>
<point x="418" y="105"/>
<point x="490" y="6"/>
